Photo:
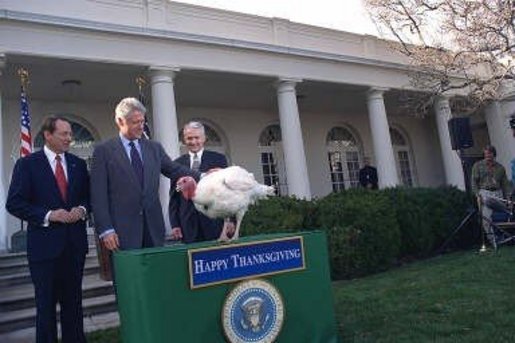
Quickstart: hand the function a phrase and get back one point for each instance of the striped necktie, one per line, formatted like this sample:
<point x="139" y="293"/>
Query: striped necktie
<point x="196" y="162"/>
<point x="136" y="162"/>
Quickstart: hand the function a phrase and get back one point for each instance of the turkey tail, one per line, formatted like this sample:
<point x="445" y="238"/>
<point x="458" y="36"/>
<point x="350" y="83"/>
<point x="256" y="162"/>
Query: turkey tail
<point x="264" y="191"/>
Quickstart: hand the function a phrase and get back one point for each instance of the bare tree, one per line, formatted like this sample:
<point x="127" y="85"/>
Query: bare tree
<point x="465" y="45"/>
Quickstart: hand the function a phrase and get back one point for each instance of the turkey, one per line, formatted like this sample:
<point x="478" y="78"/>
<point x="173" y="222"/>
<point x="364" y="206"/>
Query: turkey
<point x="224" y="193"/>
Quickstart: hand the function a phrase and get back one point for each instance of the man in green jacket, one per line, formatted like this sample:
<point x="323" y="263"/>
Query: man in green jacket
<point x="491" y="186"/>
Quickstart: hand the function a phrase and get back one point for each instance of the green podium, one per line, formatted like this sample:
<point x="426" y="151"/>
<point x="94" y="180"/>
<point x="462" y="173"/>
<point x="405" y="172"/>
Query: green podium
<point x="157" y="304"/>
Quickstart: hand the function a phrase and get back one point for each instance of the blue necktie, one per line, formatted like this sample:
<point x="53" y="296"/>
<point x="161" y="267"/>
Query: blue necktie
<point x="137" y="165"/>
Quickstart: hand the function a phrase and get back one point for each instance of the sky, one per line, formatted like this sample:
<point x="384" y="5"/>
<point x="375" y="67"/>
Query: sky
<point x="345" y="15"/>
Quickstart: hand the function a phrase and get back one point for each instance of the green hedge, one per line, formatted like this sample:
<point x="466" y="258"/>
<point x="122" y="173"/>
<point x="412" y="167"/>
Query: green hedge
<point x="362" y="231"/>
<point x="368" y="231"/>
<point x="279" y="214"/>
<point x="426" y="216"/>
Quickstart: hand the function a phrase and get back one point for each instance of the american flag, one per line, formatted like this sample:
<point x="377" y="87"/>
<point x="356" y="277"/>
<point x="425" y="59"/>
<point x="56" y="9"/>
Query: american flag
<point x="26" y="138"/>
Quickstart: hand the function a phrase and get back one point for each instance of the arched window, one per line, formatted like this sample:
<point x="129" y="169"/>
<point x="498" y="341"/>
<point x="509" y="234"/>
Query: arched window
<point x="212" y="138"/>
<point x="272" y="160"/>
<point x="82" y="143"/>
<point x="403" y="158"/>
<point x="344" y="158"/>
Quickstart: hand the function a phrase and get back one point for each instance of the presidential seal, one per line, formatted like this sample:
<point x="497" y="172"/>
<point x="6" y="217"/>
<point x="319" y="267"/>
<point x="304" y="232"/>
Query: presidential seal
<point x="253" y="312"/>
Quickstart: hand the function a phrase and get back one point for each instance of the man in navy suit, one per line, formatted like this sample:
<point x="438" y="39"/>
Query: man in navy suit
<point x="187" y="223"/>
<point x="50" y="191"/>
<point x="368" y="175"/>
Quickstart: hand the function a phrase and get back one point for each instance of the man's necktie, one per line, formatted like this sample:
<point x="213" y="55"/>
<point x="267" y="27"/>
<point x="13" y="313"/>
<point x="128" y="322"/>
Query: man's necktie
<point x="60" y="177"/>
<point x="137" y="165"/>
<point x="196" y="162"/>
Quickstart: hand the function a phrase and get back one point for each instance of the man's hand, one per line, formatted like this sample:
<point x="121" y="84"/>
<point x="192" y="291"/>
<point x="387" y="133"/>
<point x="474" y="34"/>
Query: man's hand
<point x="111" y="241"/>
<point x="176" y="234"/>
<point x="76" y="214"/>
<point x="59" y="216"/>
<point x="66" y="217"/>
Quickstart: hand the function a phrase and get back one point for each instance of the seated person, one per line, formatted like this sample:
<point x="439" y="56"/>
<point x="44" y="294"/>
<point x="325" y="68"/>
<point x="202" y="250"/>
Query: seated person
<point x="491" y="185"/>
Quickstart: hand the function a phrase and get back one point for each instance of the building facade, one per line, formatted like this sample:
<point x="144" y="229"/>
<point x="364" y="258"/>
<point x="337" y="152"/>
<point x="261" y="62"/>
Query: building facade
<point x="299" y="106"/>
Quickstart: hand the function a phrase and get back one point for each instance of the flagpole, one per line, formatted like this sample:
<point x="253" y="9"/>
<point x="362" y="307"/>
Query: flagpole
<point x="142" y="82"/>
<point x="24" y="81"/>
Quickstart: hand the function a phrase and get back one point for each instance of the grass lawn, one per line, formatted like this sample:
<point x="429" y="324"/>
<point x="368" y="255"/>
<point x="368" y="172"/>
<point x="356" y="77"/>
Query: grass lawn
<point x="460" y="297"/>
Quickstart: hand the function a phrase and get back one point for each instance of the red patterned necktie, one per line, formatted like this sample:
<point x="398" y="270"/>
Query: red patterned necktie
<point x="60" y="177"/>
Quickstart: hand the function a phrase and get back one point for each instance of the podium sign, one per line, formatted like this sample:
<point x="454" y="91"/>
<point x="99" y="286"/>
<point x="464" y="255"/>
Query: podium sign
<point x="226" y="263"/>
<point x="157" y="304"/>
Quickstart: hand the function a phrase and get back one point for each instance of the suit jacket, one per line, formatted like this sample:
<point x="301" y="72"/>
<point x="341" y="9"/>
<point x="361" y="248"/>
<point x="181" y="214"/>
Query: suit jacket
<point x="118" y="200"/>
<point x="195" y="226"/>
<point x="33" y="192"/>
<point x="368" y="175"/>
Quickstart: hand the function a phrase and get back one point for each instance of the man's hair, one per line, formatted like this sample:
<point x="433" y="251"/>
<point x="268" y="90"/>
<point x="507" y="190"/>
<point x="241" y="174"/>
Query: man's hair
<point x="50" y="123"/>
<point x="491" y="149"/>
<point x="127" y="106"/>
<point x="196" y="125"/>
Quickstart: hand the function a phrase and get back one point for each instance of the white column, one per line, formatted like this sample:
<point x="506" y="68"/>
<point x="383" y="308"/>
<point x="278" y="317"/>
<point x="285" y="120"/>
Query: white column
<point x="451" y="160"/>
<point x="497" y="117"/>
<point x="383" y="150"/>
<point x="293" y="144"/>
<point x="3" y="214"/>
<point x="164" y="115"/>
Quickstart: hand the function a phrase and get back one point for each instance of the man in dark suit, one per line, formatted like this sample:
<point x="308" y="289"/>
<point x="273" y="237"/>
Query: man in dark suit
<point x="368" y="175"/>
<point x="50" y="191"/>
<point x="125" y="183"/>
<point x="187" y="223"/>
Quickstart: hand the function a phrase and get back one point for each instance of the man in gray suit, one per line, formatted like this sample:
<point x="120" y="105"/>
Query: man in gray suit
<point x="125" y="183"/>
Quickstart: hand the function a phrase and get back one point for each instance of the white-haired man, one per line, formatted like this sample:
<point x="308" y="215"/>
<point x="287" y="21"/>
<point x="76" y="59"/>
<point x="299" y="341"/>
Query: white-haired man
<point x="188" y="224"/>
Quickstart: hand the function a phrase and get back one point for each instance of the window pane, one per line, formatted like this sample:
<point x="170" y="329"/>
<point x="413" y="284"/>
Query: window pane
<point x="271" y="158"/>
<point x="269" y="135"/>
<point x="405" y="168"/>
<point x="212" y="138"/>
<point x="343" y="158"/>
<point x="397" y="137"/>
<point x="341" y="136"/>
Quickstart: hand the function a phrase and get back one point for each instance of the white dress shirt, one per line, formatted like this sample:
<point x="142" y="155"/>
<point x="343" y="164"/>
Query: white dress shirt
<point x="50" y="155"/>
<point x="199" y="156"/>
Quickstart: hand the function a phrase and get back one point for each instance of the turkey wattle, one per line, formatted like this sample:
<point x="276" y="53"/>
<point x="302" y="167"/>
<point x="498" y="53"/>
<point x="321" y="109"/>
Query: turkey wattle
<point x="224" y="193"/>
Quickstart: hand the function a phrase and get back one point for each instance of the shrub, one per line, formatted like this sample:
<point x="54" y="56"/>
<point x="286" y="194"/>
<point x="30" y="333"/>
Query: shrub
<point x="368" y="231"/>
<point x="363" y="235"/>
<point x="426" y="216"/>
<point x="278" y="214"/>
